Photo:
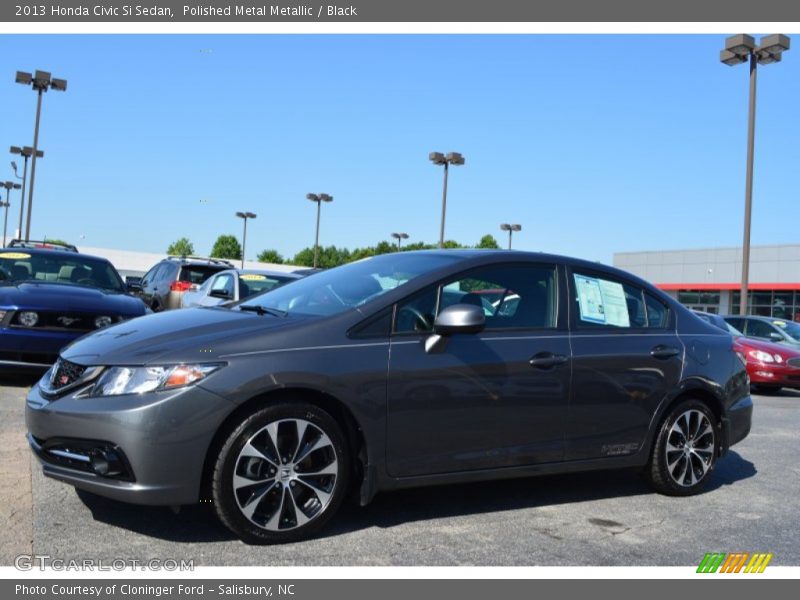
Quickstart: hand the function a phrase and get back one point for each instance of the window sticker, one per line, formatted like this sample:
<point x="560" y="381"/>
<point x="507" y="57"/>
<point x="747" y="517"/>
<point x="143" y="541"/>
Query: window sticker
<point x="601" y="301"/>
<point x="15" y="255"/>
<point x="252" y="277"/>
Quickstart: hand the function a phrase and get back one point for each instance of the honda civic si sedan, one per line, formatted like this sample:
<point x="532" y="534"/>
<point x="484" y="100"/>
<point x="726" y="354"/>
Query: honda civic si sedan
<point x="392" y="372"/>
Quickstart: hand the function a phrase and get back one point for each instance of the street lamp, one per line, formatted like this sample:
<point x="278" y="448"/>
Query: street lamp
<point x="9" y="185"/>
<point x="738" y="48"/>
<point x="41" y="82"/>
<point x="319" y="199"/>
<point x="451" y="158"/>
<point x="399" y="237"/>
<point x="26" y="152"/>
<point x="244" y="216"/>
<point x="510" y="228"/>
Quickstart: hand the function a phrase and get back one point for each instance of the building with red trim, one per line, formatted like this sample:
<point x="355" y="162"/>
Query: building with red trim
<point x="710" y="279"/>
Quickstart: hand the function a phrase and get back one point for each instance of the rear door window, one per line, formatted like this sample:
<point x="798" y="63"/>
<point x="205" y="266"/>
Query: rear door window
<point x="604" y="302"/>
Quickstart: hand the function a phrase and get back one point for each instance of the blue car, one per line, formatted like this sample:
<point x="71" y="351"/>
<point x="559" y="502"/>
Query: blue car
<point x="50" y="297"/>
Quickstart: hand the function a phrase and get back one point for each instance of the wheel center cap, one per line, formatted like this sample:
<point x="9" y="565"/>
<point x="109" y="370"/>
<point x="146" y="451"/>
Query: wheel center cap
<point x="286" y="473"/>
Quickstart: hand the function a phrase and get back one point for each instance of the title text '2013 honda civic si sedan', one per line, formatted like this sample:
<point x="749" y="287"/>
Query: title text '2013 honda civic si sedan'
<point x="406" y="369"/>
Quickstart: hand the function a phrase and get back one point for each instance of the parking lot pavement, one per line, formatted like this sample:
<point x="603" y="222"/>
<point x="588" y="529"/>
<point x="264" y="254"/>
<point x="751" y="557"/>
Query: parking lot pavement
<point x="608" y="518"/>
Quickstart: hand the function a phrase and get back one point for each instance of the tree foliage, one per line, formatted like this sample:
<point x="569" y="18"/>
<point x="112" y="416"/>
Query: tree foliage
<point x="181" y="247"/>
<point x="270" y="256"/>
<point x="489" y="242"/>
<point x="227" y="246"/>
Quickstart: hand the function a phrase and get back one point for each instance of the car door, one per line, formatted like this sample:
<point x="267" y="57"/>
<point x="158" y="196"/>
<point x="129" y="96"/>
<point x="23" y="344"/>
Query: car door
<point x="488" y="400"/>
<point x="148" y="284"/>
<point x="626" y="358"/>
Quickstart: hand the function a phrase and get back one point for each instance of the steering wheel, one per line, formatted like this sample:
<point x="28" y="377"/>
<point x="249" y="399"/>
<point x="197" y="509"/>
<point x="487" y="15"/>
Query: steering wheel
<point x="422" y="322"/>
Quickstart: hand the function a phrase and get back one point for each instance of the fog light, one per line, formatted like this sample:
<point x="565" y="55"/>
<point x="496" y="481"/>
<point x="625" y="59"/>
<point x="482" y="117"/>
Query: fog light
<point x="106" y="463"/>
<point x="102" y="321"/>
<point x="28" y="318"/>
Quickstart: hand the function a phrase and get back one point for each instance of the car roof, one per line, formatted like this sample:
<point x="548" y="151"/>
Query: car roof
<point x="65" y="254"/>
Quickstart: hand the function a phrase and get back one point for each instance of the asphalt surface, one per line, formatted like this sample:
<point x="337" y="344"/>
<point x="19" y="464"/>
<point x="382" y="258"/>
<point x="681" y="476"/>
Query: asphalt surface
<point x="607" y="518"/>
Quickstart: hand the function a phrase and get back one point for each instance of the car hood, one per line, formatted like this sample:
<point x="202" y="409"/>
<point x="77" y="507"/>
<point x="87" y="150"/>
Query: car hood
<point x="179" y="336"/>
<point x="67" y="297"/>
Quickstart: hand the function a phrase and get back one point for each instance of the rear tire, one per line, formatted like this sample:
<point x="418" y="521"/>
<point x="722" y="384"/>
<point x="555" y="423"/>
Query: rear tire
<point x="281" y="474"/>
<point x="685" y="451"/>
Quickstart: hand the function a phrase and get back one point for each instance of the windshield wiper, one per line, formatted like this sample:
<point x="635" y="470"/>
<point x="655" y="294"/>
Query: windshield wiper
<point x="263" y="310"/>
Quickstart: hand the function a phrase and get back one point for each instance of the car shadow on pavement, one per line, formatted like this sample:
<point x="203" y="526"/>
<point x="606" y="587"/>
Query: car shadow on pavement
<point x="197" y="524"/>
<point x="21" y="379"/>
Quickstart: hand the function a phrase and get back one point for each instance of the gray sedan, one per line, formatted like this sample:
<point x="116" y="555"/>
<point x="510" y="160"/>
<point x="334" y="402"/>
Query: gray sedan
<point x="233" y="285"/>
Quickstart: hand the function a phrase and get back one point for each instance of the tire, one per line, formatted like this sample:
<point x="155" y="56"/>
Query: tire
<point x="293" y="497"/>
<point x="668" y="471"/>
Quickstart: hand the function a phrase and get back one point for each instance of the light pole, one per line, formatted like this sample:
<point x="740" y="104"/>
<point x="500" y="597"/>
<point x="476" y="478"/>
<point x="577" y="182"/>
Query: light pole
<point x="319" y="199"/>
<point x="244" y="216"/>
<point x="9" y="185"/>
<point x="41" y="82"/>
<point x="399" y="237"/>
<point x="452" y="158"/>
<point x="738" y="49"/>
<point x="510" y="228"/>
<point x="26" y="152"/>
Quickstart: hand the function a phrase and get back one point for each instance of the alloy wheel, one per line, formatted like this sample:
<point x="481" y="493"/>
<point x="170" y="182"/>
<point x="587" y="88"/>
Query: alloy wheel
<point x="285" y="475"/>
<point x="690" y="448"/>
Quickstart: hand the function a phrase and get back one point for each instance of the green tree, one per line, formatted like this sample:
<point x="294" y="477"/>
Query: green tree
<point x="270" y="256"/>
<point x="226" y="246"/>
<point x="55" y="241"/>
<point x="181" y="247"/>
<point x="329" y="256"/>
<point x="489" y="242"/>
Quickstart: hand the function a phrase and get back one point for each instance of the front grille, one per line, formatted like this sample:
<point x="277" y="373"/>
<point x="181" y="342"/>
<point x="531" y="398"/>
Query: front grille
<point x="794" y="362"/>
<point x="60" y="321"/>
<point x="65" y="373"/>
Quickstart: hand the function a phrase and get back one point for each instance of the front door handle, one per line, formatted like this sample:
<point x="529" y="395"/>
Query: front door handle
<point x="547" y="360"/>
<point x="662" y="351"/>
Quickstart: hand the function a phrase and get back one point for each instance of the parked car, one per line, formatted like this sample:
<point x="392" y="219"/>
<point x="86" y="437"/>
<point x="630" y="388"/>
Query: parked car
<point x="164" y="284"/>
<point x="233" y="285"/>
<point x="16" y="243"/>
<point x="770" y="366"/>
<point x="49" y="297"/>
<point x="767" y="328"/>
<point x="387" y="373"/>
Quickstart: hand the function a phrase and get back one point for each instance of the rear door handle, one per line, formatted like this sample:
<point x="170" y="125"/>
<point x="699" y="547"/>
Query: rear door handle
<point x="662" y="351"/>
<point x="547" y="360"/>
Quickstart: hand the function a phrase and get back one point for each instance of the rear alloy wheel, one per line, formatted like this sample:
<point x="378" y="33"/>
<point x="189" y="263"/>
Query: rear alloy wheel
<point x="281" y="475"/>
<point x="685" y="451"/>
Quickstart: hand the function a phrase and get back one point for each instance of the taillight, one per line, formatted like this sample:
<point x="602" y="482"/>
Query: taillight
<point x="180" y="286"/>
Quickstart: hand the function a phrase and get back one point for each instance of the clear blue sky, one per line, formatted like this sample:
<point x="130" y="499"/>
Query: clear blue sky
<point x="595" y="143"/>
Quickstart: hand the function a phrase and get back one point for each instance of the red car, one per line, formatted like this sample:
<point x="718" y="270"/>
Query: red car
<point x="770" y="366"/>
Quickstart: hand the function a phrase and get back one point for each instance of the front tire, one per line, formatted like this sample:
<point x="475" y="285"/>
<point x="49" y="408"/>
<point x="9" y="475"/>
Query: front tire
<point x="685" y="451"/>
<point x="281" y="474"/>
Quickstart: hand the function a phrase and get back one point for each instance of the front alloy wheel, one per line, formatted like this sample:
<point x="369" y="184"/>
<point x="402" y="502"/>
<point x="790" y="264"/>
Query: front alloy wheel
<point x="685" y="451"/>
<point x="281" y="474"/>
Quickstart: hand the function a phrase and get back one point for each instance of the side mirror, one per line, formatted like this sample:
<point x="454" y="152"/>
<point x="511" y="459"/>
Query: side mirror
<point x="458" y="318"/>
<point x="220" y="294"/>
<point x="774" y="336"/>
<point x="134" y="284"/>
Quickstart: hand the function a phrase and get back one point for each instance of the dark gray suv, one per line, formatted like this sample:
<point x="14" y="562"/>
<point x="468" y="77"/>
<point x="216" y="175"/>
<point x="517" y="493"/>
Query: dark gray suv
<point x="407" y="369"/>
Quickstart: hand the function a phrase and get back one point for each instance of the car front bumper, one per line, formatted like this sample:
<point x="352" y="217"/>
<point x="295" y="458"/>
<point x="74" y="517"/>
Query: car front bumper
<point x="781" y="375"/>
<point x="163" y="438"/>
<point x="22" y="347"/>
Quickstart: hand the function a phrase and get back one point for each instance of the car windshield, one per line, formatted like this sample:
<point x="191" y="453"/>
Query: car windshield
<point x="789" y="328"/>
<point x="349" y="286"/>
<point x="74" y="269"/>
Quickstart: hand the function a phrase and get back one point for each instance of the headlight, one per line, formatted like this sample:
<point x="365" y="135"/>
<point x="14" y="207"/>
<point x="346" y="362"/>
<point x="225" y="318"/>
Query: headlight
<point x="102" y="321"/>
<point x="778" y="358"/>
<point x="28" y="318"/>
<point x="761" y="356"/>
<point x="137" y="380"/>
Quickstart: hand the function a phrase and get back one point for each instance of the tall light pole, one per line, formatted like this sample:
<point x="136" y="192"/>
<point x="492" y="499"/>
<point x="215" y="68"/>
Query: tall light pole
<point x="738" y="49"/>
<point x="399" y="237"/>
<point x="244" y="216"/>
<point x="41" y="82"/>
<point x="9" y="185"/>
<point x="319" y="199"/>
<point x="510" y="228"/>
<point x="26" y="152"/>
<point x="451" y="158"/>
